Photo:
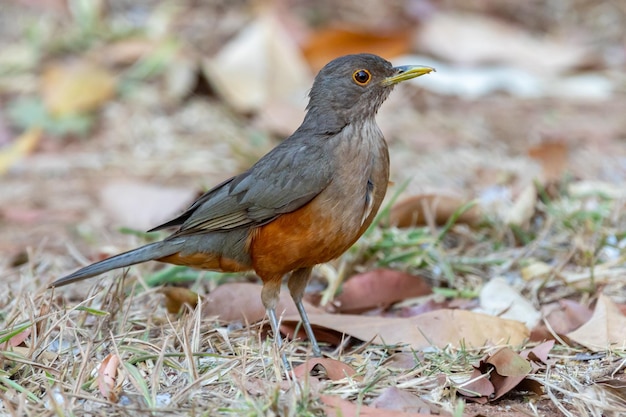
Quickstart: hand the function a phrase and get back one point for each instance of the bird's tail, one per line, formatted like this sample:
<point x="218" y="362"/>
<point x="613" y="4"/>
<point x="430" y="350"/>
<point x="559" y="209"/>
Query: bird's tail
<point x="145" y="253"/>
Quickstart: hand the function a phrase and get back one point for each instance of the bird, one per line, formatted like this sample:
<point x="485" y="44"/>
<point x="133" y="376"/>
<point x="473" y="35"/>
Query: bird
<point x="304" y="203"/>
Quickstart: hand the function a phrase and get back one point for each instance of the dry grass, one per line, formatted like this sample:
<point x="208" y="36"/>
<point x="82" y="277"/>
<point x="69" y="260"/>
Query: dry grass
<point x="194" y="365"/>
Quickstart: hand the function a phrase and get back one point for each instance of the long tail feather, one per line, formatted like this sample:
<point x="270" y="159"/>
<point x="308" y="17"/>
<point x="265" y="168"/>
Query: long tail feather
<point x="145" y="253"/>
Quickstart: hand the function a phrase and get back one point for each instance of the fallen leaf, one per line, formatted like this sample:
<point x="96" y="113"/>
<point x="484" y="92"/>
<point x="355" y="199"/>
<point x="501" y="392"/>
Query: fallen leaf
<point x="508" y="363"/>
<point x="143" y="205"/>
<point x="70" y="88"/>
<point x="16" y="340"/>
<point x="124" y="52"/>
<point x="460" y="38"/>
<point x="553" y="158"/>
<point x="503" y="370"/>
<point x="379" y="288"/>
<point x="177" y="297"/>
<point x="21" y="147"/>
<point x="432" y="208"/>
<point x="536" y="270"/>
<point x="260" y="63"/>
<point x="438" y="328"/>
<point x="605" y="329"/>
<point x="338" y="407"/>
<point x="563" y="317"/>
<point x="107" y="374"/>
<point x="324" y="368"/>
<point x="404" y="360"/>
<point x="478" y="387"/>
<point x="393" y="398"/>
<point x="538" y="356"/>
<point x="498" y="298"/>
<point x="242" y="302"/>
<point x="329" y="43"/>
<point x="523" y="207"/>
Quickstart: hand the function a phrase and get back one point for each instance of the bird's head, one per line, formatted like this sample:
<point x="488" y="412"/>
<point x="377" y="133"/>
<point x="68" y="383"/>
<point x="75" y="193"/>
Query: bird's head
<point x="353" y="87"/>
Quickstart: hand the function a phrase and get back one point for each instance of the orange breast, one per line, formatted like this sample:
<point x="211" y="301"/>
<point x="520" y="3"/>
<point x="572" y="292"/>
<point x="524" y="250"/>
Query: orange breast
<point x="303" y="238"/>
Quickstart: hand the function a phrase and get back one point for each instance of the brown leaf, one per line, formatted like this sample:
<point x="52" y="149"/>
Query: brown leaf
<point x="288" y="329"/>
<point x="563" y="317"/>
<point x="242" y="302"/>
<point x="509" y="363"/>
<point x="432" y="208"/>
<point x="107" y="374"/>
<point x="478" y="388"/>
<point x="21" y="147"/>
<point x="125" y="52"/>
<point x="504" y="369"/>
<point x="143" y="205"/>
<point x="403" y="360"/>
<point x="16" y="340"/>
<point x="177" y="297"/>
<point x="437" y="328"/>
<point x="338" y="407"/>
<point x="553" y="158"/>
<point x="605" y="329"/>
<point x="393" y="398"/>
<point x="327" y="44"/>
<point x="324" y="368"/>
<point x="429" y="305"/>
<point x="379" y="289"/>
<point x="539" y="353"/>
<point x="76" y="87"/>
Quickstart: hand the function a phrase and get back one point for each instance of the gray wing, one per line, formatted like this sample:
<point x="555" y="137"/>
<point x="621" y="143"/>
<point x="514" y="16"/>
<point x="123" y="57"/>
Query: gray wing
<point x="285" y="179"/>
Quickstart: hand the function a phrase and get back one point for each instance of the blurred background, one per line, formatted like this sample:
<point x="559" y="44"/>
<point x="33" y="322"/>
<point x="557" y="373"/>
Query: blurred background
<point x="118" y="113"/>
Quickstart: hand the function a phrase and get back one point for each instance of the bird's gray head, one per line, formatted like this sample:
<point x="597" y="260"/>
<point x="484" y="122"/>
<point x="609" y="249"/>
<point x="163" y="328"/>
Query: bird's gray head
<point x="352" y="88"/>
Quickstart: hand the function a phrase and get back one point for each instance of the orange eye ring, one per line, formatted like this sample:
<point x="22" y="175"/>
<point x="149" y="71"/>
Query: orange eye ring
<point x="362" y="77"/>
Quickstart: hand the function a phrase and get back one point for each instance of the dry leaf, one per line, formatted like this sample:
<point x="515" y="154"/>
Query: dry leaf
<point x="523" y="208"/>
<point x="324" y="368"/>
<point x="70" y="88"/>
<point x="260" y="64"/>
<point x="503" y="370"/>
<point x="605" y="330"/>
<point x="393" y="398"/>
<point x="338" y="407"/>
<point x="379" y="288"/>
<point x="498" y="298"/>
<point x="16" y="340"/>
<point x="242" y="302"/>
<point x="553" y="158"/>
<point x="125" y="52"/>
<point x="327" y="44"/>
<point x="461" y="38"/>
<point x="538" y="356"/>
<point x="107" y="374"/>
<point x="21" y="147"/>
<point x="438" y="328"/>
<point x="536" y="270"/>
<point x="563" y="317"/>
<point x="143" y="205"/>
<point x="177" y="297"/>
<point x="421" y="209"/>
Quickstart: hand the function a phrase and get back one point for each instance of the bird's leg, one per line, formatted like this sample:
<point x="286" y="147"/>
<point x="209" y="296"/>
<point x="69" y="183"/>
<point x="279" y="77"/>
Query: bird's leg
<point x="270" y="295"/>
<point x="297" y="284"/>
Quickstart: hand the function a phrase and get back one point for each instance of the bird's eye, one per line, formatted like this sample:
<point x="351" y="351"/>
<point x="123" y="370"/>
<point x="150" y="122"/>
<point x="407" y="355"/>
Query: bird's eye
<point x="362" y="76"/>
